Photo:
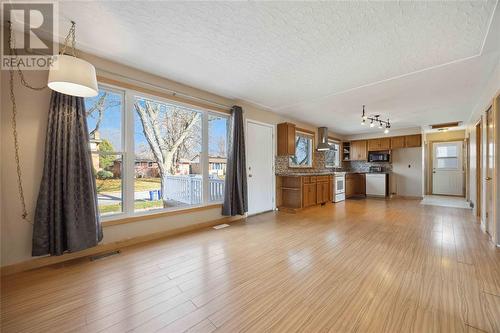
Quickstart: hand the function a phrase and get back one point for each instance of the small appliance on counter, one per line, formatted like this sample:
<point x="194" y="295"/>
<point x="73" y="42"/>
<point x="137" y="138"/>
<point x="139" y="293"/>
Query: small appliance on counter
<point x="376" y="169"/>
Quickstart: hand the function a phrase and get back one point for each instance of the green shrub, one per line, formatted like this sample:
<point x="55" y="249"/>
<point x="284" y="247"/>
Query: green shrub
<point x="104" y="174"/>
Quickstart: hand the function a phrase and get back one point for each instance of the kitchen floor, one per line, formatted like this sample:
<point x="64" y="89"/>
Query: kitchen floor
<point x="364" y="266"/>
<point x="445" y="201"/>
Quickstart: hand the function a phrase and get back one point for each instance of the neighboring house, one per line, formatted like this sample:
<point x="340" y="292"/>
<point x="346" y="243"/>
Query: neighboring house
<point x="94" y="142"/>
<point x="216" y="166"/>
<point x="148" y="168"/>
<point x="144" y="168"/>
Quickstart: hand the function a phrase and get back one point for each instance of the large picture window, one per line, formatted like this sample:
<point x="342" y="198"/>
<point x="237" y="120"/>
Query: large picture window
<point x="303" y="158"/>
<point x="151" y="154"/>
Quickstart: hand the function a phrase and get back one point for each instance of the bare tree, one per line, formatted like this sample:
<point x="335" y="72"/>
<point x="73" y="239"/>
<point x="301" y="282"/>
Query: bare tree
<point x="101" y="105"/>
<point x="171" y="132"/>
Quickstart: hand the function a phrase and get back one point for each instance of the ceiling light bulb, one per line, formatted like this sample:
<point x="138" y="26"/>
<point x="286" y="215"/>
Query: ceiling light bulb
<point x="363" y="122"/>
<point x="379" y="125"/>
<point x="372" y="124"/>
<point x="386" y="131"/>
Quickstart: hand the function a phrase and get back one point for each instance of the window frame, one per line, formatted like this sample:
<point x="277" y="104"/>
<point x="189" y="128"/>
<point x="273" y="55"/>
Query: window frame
<point x="339" y="165"/>
<point x="312" y="149"/>
<point x="128" y="154"/>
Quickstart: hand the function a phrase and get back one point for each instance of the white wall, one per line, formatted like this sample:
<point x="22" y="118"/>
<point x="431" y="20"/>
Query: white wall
<point x="407" y="173"/>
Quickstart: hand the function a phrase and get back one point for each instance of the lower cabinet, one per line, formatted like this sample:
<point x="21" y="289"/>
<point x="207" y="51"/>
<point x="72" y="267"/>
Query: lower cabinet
<point x="355" y="185"/>
<point x="309" y="195"/>
<point x="296" y="192"/>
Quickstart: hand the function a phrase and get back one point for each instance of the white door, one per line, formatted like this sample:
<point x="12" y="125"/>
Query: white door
<point x="447" y="168"/>
<point x="260" y="168"/>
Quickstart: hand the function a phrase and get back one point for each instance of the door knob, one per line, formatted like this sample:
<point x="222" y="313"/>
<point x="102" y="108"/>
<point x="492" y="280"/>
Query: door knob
<point x="488" y="178"/>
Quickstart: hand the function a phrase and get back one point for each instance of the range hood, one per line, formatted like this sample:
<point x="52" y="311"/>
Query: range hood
<point x="323" y="140"/>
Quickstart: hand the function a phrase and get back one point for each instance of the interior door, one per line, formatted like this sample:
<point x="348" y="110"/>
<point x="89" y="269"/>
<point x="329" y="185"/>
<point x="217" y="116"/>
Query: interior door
<point x="490" y="165"/>
<point x="260" y="167"/>
<point x="447" y="168"/>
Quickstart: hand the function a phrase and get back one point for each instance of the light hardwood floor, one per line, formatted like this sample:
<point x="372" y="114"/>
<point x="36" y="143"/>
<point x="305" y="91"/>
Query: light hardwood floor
<point x="363" y="265"/>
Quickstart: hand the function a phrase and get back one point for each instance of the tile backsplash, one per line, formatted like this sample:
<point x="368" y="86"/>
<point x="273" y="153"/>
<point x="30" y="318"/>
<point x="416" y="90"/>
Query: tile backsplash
<point x="364" y="166"/>
<point x="281" y="165"/>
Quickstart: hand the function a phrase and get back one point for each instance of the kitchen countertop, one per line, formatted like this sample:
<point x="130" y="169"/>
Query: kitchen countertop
<point x="301" y="174"/>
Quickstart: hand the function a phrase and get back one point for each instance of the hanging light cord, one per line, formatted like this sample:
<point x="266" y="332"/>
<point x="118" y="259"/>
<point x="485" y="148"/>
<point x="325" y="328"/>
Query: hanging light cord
<point x="71" y="35"/>
<point x="13" y="53"/>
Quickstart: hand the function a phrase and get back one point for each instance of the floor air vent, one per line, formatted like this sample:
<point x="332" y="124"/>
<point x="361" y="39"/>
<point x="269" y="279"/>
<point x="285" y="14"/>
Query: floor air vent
<point x="220" y="226"/>
<point x="104" y="255"/>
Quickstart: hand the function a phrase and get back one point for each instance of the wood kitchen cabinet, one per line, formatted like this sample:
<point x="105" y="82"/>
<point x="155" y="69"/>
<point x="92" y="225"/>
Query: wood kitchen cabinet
<point x="413" y="140"/>
<point x="397" y="142"/>
<point x="358" y="150"/>
<point x="355" y="185"/>
<point x="297" y="192"/>
<point x="286" y="139"/>
<point x="322" y="190"/>
<point x="379" y="144"/>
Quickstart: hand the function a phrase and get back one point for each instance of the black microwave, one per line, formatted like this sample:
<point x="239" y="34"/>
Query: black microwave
<point x="378" y="157"/>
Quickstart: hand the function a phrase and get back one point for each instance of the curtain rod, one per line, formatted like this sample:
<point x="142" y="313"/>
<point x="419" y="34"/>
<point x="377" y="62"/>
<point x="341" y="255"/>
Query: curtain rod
<point x="170" y="91"/>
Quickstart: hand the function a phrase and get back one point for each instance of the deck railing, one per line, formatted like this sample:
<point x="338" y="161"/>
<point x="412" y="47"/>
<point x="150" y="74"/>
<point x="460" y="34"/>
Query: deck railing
<point x="189" y="190"/>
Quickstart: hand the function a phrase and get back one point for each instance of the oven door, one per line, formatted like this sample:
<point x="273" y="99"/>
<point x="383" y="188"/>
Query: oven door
<point x="339" y="185"/>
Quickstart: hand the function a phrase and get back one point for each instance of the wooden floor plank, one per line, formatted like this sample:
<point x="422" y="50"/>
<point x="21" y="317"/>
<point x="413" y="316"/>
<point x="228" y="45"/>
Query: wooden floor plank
<point x="355" y="266"/>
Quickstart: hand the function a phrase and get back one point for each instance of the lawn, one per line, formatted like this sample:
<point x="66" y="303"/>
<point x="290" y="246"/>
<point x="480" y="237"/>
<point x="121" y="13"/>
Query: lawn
<point x="138" y="205"/>
<point x="115" y="185"/>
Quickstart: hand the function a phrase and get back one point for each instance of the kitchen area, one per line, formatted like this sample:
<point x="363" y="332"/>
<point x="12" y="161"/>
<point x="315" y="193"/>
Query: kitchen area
<point x="331" y="170"/>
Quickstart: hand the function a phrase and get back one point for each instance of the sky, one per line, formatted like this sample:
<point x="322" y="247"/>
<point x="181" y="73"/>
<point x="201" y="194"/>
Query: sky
<point x="112" y="124"/>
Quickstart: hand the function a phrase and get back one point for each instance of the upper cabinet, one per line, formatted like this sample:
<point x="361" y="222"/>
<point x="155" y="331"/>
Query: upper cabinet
<point x="397" y="142"/>
<point x="286" y="139"/>
<point x="358" y="150"/>
<point x="413" y="140"/>
<point x="379" y="144"/>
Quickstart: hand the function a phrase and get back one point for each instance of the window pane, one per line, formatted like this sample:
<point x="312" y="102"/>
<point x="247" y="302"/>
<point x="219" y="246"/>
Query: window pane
<point x="104" y="120"/>
<point x="167" y="171"/>
<point x="447" y="163"/>
<point x="332" y="157"/>
<point x="217" y="156"/>
<point x="446" y="151"/>
<point x="108" y="183"/>
<point x="303" y="151"/>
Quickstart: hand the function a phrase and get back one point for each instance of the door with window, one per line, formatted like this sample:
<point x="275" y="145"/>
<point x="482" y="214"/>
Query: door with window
<point x="447" y="168"/>
<point x="260" y="167"/>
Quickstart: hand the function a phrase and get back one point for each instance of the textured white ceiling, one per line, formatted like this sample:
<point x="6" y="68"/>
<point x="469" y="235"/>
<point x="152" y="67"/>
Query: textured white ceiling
<point x="300" y="58"/>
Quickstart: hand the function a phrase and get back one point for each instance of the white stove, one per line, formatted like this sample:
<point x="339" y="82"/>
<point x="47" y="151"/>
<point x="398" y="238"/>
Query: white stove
<point x="338" y="186"/>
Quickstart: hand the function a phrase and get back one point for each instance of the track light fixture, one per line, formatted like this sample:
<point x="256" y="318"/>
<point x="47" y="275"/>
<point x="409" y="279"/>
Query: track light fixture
<point x="375" y="120"/>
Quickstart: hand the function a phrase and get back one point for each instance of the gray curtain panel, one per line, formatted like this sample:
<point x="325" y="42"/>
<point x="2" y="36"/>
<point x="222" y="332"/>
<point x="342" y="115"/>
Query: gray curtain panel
<point x="66" y="216"/>
<point x="235" y="195"/>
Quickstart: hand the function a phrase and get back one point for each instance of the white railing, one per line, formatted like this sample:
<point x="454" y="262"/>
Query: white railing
<point x="189" y="189"/>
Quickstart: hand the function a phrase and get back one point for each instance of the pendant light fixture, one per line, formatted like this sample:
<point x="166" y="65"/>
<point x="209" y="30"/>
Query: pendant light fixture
<point x="375" y="121"/>
<point x="70" y="75"/>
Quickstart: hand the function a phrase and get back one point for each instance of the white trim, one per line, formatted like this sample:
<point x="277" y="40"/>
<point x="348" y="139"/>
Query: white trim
<point x="273" y="129"/>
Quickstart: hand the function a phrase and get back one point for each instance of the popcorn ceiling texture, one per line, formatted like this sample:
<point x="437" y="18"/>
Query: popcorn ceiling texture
<point x="278" y="53"/>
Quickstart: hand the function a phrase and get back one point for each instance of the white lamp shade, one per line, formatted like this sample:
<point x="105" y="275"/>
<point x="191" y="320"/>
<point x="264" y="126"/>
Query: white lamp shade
<point x="72" y="76"/>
